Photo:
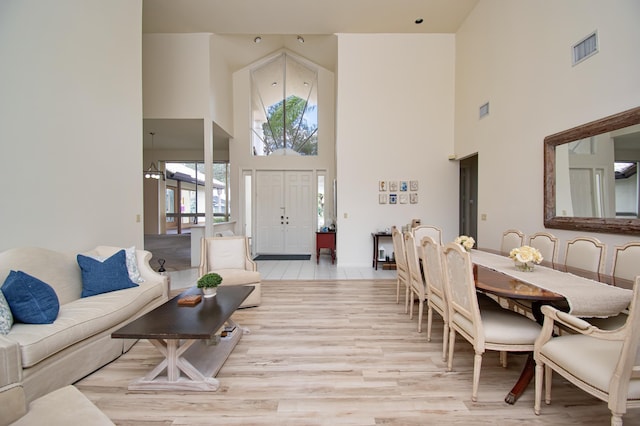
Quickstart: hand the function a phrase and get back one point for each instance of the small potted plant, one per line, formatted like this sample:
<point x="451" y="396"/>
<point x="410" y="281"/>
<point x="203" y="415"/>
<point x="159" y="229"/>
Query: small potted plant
<point x="209" y="283"/>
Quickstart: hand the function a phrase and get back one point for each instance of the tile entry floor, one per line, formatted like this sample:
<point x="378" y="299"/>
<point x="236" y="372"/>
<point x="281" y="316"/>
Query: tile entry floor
<point x="295" y="270"/>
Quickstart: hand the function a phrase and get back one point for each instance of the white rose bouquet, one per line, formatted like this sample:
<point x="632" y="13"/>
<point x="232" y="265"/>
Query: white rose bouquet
<point x="465" y="241"/>
<point x="525" y="257"/>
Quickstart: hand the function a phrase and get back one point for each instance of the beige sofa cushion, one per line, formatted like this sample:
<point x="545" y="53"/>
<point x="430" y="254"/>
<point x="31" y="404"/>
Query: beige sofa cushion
<point x="229" y="255"/>
<point x="238" y="276"/>
<point x="59" y="270"/>
<point x="63" y="407"/>
<point x="80" y="319"/>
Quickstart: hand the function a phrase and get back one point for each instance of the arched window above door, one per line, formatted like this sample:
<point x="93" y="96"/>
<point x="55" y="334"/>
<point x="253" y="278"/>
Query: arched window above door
<point x="284" y="115"/>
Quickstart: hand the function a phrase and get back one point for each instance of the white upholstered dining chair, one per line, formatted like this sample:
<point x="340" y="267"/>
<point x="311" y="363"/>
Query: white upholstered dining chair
<point x="609" y="363"/>
<point x="427" y="230"/>
<point x="626" y="261"/>
<point x="586" y="253"/>
<point x="431" y="254"/>
<point x="417" y="286"/>
<point x="511" y="238"/>
<point x="547" y="244"/>
<point x="402" y="272"/>
<point x="486" y="329"/>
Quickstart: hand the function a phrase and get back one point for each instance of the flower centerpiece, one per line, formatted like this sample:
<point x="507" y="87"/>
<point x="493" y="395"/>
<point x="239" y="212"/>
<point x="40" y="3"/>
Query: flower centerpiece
<point x="209" y="283"/>
<point x="465" y="241"/>
<point x="525" y="257"/>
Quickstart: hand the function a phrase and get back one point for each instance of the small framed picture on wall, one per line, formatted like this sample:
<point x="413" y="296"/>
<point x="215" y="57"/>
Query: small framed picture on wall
<point x="393" y="185"/>
<point x="382" y="198"/>
<point x="382" y="185"/>
<point x="404" y="198"/>
<point x="413" y="185"/>
<point x="404" y="185"/>
<point x="393" y="198"/>
<point x="413" y="198"/>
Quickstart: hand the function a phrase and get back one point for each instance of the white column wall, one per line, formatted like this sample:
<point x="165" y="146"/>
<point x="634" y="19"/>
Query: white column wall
<point x="517" y="56"/>
<point x="394" y="122"/>
<point x="71" y="123"/>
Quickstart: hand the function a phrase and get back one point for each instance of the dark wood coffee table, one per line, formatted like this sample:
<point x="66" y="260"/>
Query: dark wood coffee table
<point x="186" y="336"/>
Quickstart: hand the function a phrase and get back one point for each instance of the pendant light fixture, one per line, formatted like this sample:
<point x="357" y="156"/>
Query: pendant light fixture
<point x="153" y="172"/>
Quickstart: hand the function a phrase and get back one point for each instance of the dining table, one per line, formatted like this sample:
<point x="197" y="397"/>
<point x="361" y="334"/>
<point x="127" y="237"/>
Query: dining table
<point x="579" y="292"/>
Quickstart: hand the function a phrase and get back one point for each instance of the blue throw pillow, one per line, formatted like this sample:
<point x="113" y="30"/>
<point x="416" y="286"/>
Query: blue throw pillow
<point x="31" y="300"/>
<point x="103" y="276"/>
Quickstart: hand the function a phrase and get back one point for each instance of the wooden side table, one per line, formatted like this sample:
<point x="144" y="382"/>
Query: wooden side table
<point x="326" y="240"/>
<point x="386" y="264"/>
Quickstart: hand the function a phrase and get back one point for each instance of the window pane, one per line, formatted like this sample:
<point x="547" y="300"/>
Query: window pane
<point x="284" y="108"/>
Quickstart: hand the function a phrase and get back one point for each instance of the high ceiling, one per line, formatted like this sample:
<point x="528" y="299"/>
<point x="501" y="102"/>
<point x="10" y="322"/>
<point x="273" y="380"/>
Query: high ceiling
<point x="279" y="23"/>
<point x="305" y="17"/>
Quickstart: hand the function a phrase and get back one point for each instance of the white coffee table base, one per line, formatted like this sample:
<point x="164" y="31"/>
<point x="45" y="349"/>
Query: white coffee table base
<point x="199" y="360"/>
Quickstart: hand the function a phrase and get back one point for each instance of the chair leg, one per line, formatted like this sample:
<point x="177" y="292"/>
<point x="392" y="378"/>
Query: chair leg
<point x="538" y="380"/>
<point x="445" y="340"/>
<point x="420" y="312"/>
<point x="616" y="419"/>
<point x="397" y="291"/>
<point x="548" y="376"/>
<point x="406" y="300"/>
<point x="477" y="365"/>
<point x="503" y="359"/>
<point x="411" y="303"/>
<point x="429" y="321"/>
<point x="452" y="341"/>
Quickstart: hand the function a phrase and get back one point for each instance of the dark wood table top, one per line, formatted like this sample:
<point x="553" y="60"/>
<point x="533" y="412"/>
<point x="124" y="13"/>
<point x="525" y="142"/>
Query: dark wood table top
<point x="171" y="321"/>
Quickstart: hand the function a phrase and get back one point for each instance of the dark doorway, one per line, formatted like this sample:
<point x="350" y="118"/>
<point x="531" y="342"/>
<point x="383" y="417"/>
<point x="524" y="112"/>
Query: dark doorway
<point x="469" y="197"/>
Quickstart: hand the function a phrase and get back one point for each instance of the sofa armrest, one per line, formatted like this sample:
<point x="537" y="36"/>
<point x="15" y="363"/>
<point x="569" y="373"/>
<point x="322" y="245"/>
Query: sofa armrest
<point x="13" y="404"/>
<point x="10" y="362"/>
<point x="147" y="272"/>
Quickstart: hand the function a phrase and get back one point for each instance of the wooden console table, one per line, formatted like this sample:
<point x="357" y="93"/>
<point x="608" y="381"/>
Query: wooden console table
<point x="391" y="264"/>
<point x="326" y="240"/>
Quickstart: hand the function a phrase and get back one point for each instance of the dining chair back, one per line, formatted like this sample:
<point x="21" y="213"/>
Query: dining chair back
<point x="626" y="261"/>
<point x="511" y="238"/>
<point x="586" y="253"/>
<point x="489" y="329"/>
<point x="427" y="230"/>
<point x="402" y="272"/>
<point x="431" y="254"/>
<point x="547" y="244"/>
<point x="416" y="283"/>
<point x="609" y="363"/>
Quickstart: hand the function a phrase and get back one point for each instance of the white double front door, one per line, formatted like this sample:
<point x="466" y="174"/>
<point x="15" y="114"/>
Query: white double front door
<point x="284" y="212"/>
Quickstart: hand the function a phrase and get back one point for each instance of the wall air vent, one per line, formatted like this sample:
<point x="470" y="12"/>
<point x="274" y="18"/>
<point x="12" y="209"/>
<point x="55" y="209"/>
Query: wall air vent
<point x="585" y="48"/>
<point x="484" y="110"/>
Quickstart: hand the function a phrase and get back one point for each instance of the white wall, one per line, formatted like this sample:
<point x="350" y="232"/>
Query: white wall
<point x="176" y="75"/>
<point x="70" y="123"/>
<point x="394" y="122"/>
<point x="517" y="56"/>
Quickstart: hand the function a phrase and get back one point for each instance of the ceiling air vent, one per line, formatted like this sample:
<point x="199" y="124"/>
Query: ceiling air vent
<point x="585" y="48"/>
<point x="484" y="110"/>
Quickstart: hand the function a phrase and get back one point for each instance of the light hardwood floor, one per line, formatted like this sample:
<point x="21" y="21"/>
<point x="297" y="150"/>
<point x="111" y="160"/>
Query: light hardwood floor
<point x="338" y="352"/>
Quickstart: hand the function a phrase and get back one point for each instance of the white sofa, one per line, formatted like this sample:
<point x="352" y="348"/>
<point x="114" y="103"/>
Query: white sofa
<point x="44" y="357"/>
<point x="62" y="407"/>
<point x="230" y="258"/>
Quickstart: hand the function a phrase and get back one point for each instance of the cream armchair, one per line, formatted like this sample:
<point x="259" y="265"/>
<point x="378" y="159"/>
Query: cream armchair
<point x="230" y="257"/>
<point x="603" y="363"/>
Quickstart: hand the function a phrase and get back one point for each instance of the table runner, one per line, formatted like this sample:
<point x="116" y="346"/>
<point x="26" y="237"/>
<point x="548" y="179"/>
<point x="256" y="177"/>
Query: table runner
<point x="587" y="298"/>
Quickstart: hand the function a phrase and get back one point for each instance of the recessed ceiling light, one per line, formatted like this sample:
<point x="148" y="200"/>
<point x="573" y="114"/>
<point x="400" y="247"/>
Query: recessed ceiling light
<point x="257" y="39"/>
<point x="300" y="39"/>
<point x="419" y="21"/>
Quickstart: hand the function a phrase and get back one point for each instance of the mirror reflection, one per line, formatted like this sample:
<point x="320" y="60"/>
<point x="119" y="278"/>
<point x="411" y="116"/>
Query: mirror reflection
<point x="597" y="176"/>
